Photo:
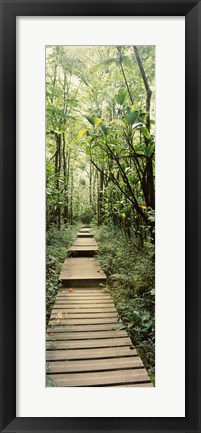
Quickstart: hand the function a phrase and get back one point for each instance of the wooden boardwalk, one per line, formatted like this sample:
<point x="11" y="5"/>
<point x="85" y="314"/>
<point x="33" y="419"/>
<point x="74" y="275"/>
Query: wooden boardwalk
<point x="85" y="345"/>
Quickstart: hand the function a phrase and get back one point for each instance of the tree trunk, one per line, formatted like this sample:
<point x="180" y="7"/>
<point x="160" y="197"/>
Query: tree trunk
<point x="65" y="212"/>
<point x="148" y="179"/>
<point x="71" y="196"/>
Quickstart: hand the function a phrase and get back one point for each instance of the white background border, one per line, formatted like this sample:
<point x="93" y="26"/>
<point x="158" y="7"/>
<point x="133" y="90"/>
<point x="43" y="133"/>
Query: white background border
<point x="167" y="399"/>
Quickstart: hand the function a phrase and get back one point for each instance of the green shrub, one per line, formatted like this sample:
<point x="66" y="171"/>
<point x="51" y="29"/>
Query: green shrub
<point x="57" y="244"/>
<point x="130" y="273"/>
<point x="87" y="215"/>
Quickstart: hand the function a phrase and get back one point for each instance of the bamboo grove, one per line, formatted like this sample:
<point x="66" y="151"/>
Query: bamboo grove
<point x="100" y="143"/>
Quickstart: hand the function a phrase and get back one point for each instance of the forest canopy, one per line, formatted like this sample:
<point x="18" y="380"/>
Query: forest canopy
<point x="100" y="136"/>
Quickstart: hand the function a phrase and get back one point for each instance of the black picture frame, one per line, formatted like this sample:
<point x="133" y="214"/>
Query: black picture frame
<point x="191" y="9"/>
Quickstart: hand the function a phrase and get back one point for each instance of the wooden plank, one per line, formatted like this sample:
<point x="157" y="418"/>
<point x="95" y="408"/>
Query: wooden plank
<point x="85" y="235"/>
<point x="83" y="248"/>
<point x="91" y="250"/>
<point x="64" y="308"/>
<point x="65" y="304"/>
<point x="83" y="290"/>
<point x="89" y="298"/>
<point x="85" y="241"/>
<point x="73" y="291"/>
<point x="83" y="321"/>
<point x="100" y="378"/>
<point x="82" y="251"/>
<point x="94" y="365"/>
<point x="84" y="303"/>
<point x="64" y="301"/>
<point x="65" y="315"/>
<point x="84" y="334"/>
<point x="76" y="272"/>
<point x="51" y="335"/>
<point x="55" y="327"/>
<point x="88" y="269"/>
<point x="83" y="297"/>
<point x="81" y="260"/>
<point x="87" y="274"/>
<point x="82" y="310"/>
<point x="95" y="289"/>
<point x="87" y="344"/>
<point x="74" y="282"/>
<point x="107" y="352"/>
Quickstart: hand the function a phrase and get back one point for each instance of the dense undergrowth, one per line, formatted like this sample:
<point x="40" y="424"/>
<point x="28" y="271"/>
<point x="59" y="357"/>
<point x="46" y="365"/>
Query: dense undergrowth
<point x="57" y="244"/>
<point x="130" y="273"/>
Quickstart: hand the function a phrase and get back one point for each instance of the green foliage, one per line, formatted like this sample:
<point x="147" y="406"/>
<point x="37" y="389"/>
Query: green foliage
<point x="130" y="272"/>
<point x="96" y="122"/>
<point x="49" y="382"/>
<point x="86" y="215"/>
<point x="121" y="96"/>
<point x="100" y="168"/>
<point x="57" y="244"/>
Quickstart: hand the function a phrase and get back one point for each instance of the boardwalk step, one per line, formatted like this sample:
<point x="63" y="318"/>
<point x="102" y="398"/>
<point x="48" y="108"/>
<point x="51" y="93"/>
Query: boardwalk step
<point x="84" y="304"/>
<point x="85" y="342"/>
<point x="51" y="336"/>
<point x="83" y="251"/>
<point x="85" y="242"/>
<point x="56" y="327"/>
<point x="105" y="378"/>
<point x="81" y="290"/>
<point x="64" y="314"/>
<point x="84" y="321"/>
<point x="85" y="235"/>
<point x="94" y="365"/>
<point x="98" y="353"/>
<point x="82" y="310"/>
<point x="83" y="272"/>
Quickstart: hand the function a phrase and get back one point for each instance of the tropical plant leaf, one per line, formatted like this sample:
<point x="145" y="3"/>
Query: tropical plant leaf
<point x="118" y="122"/>
<point x="127" y="61"/>
<point x="121" y="96"/>
<point x="145" y="132"/>
<point x="82" y="133"/>
<point x="104" y="65"/>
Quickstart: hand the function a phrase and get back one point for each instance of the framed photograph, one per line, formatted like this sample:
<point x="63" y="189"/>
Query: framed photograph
<point x="100" y="132"/>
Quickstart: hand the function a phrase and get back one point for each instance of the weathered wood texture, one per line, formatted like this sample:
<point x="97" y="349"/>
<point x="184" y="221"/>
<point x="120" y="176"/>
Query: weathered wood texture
<point x="85" y="244"/>
<point x="84" y="235"/>
<point x="85" y="241"/>
<point x="86" y="345"/>
<point x="83" y="251"/>
<point x="81" y="271"/>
